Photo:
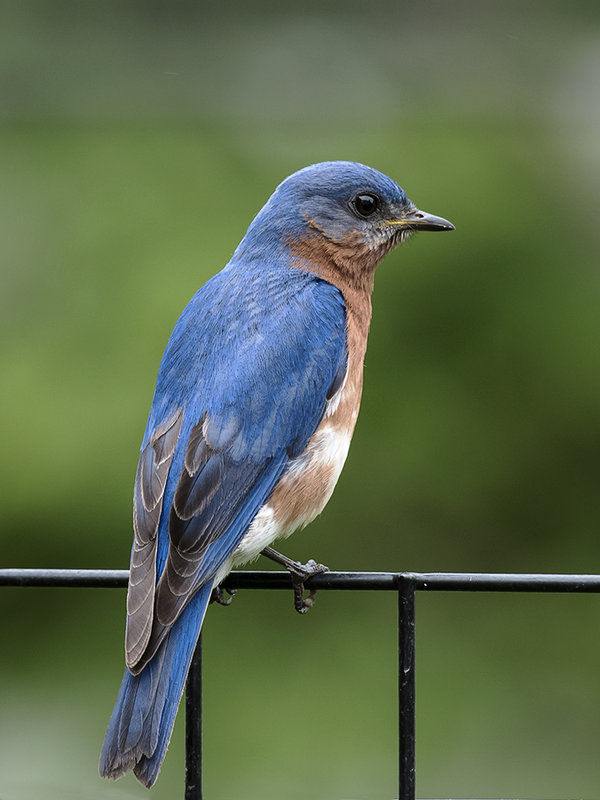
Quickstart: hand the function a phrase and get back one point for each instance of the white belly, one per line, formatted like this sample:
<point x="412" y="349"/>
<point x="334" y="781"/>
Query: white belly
<point x="300" y="496"/>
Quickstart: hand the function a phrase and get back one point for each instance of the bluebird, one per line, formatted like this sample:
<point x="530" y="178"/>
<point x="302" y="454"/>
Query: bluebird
<point x="256" y="400"/>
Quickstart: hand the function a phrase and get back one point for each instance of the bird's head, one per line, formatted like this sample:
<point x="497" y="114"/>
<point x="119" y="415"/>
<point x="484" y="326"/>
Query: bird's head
<point x="341" y="215"/>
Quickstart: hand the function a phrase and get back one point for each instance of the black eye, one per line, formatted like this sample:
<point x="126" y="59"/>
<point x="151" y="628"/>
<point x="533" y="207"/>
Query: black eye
<point x="365" y="205"/>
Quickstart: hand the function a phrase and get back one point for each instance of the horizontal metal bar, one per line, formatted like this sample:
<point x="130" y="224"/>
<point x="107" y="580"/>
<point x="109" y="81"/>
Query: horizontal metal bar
<point x="271" y="579"/>
<point x="423" y="581"/>
<point x="503" y="582"/>
<point x="109" y="578"/>
<point x="367" y="581"/>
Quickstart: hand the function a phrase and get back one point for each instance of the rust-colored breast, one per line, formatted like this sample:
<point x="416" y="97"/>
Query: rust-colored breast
<point x="308" y="484"/>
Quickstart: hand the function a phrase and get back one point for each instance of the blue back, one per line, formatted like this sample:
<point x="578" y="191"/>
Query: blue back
<point x="254" y="353"/>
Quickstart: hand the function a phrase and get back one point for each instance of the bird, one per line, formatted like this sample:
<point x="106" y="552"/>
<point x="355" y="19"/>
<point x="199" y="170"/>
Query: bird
<point x="256" y="399"/>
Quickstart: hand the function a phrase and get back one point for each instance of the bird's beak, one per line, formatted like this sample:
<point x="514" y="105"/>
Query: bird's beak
<point x="422" y="221"/>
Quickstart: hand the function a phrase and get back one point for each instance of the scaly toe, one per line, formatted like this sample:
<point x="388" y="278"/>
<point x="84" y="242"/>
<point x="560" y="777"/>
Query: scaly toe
<point x="218" y="596"/>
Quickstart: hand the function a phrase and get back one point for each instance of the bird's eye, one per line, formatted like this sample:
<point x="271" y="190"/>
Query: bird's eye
<point x="365" y="204"/>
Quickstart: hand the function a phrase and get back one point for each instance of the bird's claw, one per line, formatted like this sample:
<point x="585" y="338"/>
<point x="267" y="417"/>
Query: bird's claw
<point x="303" y="604"/>
<point x="218" y="596"/>
<point x="299" y="574"/>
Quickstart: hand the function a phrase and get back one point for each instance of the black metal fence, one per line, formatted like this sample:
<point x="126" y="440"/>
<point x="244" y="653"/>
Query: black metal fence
<point x="405" y="584"/>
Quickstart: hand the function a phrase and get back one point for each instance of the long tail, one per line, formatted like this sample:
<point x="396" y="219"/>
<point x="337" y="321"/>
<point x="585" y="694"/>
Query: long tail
<point x="143" y="717"/>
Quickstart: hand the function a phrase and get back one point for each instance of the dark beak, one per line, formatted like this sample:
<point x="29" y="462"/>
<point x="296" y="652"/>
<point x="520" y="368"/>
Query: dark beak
<point x="422" y="221"/>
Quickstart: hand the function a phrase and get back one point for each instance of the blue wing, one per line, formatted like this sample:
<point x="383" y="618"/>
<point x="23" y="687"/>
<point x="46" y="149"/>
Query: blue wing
<point x="241" y="388"/>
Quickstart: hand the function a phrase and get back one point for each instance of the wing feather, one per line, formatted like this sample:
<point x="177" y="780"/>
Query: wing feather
<point x="245" y="409"/>
<point x="153" y="467"/>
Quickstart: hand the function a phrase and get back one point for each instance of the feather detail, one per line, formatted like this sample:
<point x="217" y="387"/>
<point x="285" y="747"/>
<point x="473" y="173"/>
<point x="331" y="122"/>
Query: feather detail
<point x="153" y="468"/>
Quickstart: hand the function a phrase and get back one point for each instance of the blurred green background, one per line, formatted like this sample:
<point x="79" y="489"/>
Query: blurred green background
<point x="137" y="142"/>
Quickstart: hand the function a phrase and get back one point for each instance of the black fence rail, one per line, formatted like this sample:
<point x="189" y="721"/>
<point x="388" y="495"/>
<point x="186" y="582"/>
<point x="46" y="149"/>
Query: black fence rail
<point x="405" y="584"/>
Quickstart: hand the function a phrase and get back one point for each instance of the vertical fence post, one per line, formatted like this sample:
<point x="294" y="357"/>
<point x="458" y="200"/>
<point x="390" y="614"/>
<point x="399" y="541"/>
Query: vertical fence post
<point x="406" y="688"/>
<point x="193" y="727"/>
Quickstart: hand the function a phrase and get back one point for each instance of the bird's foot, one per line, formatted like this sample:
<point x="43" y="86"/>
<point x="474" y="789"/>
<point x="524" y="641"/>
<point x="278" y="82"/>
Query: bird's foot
<point x="218" y="596"/>
<point x="299" y="573"/>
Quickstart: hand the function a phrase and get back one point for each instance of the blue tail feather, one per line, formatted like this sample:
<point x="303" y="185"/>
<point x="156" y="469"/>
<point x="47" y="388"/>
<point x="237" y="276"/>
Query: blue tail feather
<point x="144" y="714"/>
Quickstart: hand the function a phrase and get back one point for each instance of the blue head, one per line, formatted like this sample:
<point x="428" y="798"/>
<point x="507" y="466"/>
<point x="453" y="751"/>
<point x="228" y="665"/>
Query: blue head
<point x="336" y="211"/>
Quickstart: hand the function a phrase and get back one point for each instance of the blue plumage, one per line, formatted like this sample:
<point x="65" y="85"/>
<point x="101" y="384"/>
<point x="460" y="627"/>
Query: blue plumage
<point x="261" y="403"/>
<point x="256" y="399"/>
<point x="260" y="407"/>
<point x="142" y="720"/>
